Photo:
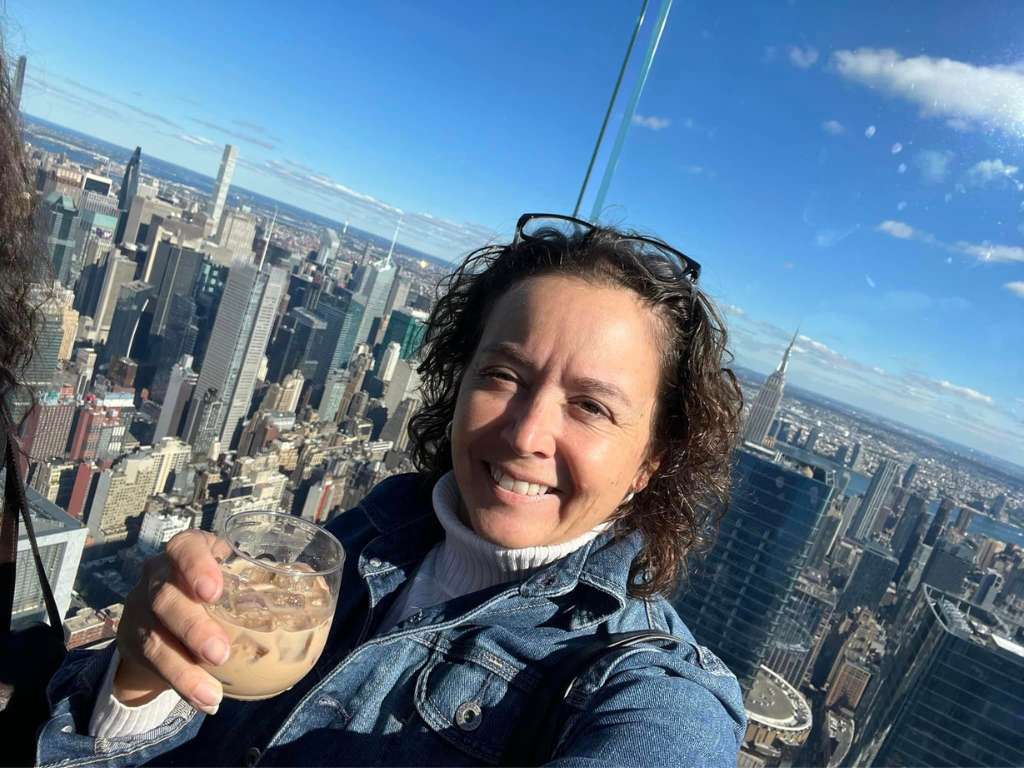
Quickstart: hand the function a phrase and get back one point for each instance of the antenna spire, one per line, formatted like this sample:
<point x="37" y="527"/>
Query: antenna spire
<point x="266" y="241"/>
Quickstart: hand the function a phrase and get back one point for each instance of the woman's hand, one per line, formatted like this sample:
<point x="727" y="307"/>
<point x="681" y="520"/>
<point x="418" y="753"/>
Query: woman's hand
<point x="165" y="628"/>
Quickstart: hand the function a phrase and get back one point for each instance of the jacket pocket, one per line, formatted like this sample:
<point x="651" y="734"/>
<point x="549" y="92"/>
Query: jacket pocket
<point x="472" y="706"/>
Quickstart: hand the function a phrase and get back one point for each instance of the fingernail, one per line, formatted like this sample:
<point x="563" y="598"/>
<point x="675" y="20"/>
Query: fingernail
<point x="206" y="589"/>
<point x="215" y="650"/>
<point x="207" y="697"/>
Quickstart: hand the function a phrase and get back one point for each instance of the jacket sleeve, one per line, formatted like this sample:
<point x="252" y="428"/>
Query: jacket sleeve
<point x="670" y="712"/>
<point x="72" y="693"/>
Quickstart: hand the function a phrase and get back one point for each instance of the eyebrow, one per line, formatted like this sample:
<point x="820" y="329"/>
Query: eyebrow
<point x="588" y="384"/>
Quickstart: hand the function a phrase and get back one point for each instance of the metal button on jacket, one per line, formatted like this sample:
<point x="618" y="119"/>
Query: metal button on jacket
<point x="468" y="716"/>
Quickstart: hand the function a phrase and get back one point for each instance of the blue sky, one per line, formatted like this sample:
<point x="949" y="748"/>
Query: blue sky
<point x="857" y="172"/>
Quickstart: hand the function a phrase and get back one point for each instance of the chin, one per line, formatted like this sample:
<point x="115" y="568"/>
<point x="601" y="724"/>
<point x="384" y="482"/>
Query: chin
<point x="506" y="529"/>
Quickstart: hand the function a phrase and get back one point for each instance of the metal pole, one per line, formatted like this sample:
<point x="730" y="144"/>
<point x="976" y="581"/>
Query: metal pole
<point x="611" y="103"/>
<point x="620" y="139"/>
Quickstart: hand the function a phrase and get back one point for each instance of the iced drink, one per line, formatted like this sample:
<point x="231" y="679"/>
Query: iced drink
<point x="276" y="611"/>
<point x="277" y="625"/>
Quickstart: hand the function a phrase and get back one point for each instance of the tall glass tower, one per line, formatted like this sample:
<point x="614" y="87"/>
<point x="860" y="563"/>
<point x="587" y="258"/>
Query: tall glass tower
<point x="766" y="405"/>
<point x="372" y="288"/>
<point x="866" y="517"/>
<point x="220" y="192"/>
<point x="953" y="693"/>
<point x="129" y="189"/>
<point x="238" y="342"/>
<point x="735" y="601"/>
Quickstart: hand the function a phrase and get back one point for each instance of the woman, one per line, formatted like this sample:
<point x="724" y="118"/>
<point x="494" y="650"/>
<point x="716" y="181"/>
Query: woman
<point x="577" y="425"/>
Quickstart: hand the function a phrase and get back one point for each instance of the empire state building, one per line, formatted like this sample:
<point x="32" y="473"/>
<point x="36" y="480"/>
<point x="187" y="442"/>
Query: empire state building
<point x="762" y="412"/>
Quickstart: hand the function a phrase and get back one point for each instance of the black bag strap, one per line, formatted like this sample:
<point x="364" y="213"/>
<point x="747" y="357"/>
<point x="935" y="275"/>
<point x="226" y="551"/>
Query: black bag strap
<point x="599" y="646"/>
<point x="15" y="506"/>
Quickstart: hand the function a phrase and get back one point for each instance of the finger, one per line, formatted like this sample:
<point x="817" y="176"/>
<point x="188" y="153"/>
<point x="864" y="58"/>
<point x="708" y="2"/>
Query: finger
<point x="195" y="558"/>
<point x="189" y="623"/>
<point x="173" y="662"/>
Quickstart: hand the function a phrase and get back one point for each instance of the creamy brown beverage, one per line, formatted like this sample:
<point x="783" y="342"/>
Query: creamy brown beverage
<point x="277" y="623"/>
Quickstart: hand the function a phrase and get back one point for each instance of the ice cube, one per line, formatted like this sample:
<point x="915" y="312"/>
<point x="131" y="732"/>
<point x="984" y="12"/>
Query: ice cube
<point x="244" y="648"/>
<point x="293" y="621"/>
<point x="227" y="595"/>
<point x="294" y="648"/>
<point x="262" y="621"/>
<point x="247" y="601"/>
<point x="253" y="575"/>
<point x="281" y="598"/>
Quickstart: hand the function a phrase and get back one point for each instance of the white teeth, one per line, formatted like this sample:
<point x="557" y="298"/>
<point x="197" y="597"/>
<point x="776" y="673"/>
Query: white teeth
<point x="516" y="486"/>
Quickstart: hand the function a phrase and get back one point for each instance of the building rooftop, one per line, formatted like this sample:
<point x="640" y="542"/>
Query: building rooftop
<point x="47" y="517"/>
<point x="972" y="622"/>
<point x="774" y="703"/>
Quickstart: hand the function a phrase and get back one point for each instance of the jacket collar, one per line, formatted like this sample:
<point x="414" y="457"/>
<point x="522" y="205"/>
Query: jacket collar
<point x="400" y="508"/>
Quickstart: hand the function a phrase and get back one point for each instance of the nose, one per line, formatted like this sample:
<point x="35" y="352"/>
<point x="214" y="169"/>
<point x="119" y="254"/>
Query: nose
<point x="530" y="428"/>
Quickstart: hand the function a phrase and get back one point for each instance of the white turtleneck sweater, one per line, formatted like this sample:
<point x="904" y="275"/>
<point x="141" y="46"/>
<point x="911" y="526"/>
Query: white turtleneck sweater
<point x="461" y="563"/>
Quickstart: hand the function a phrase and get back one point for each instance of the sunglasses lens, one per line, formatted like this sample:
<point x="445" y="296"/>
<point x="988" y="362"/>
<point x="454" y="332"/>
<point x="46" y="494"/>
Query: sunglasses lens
<point x="541" y="226"/>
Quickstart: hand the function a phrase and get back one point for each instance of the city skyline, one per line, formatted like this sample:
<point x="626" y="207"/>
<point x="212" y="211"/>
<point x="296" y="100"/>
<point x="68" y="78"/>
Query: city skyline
<point x="902" y="293"/>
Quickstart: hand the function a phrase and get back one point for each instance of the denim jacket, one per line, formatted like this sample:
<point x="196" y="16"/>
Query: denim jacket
<point x="461" y="683"/>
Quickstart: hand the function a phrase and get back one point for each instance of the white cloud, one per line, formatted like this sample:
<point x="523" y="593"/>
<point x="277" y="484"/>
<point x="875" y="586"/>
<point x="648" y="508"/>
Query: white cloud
<point x="987" y="171"/>
<point x="987" y="251"/>
<point x="966" y="392"/>
<point x="941" y="87"/>
<point x="869" y="281"/>
<point x="901" y="205"/>
<point x="804" y="58"/>
<point x="933" y="164"/>
<point x="901" y="168"/>
<point x="1016" y="287"/>
<point x="198" y="141"/>
<point x="896" y="148"/>
<point x="651" y="122"/>
<point x="833" y="127"/>
<point x="897" y="229"/>
<point x="984" y="251"/>
<point x="870" y="131"/>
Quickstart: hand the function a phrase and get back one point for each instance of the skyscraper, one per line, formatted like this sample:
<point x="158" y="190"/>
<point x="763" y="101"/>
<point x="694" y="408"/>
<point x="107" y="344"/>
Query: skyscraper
<point x="129" y="189"/>
<point x="938" y="524"/>
<point x="372" y="286"/>
<point x="909" y="475"/>
<point x="869" y="580"/>
<point x="909" y="532"/>
<point x="60" y="539"/>
<point x="220" y="191"/>
<point x="735" y="602"/>
<point x="343" y="312"/>
<point x="866" y="516"/>
<point x="238" y="342"/>
<point x="329" y="246"/>
<point x="180" y="385"/>
<point x="132" y="302"/>
<point x="19" y="82"/>
<point x="766" y="404"/>
<point x="948" y="566"/>
<point x="59" y="216"/>
<point x="407" y="327"/>
<point x="952" y="694"/>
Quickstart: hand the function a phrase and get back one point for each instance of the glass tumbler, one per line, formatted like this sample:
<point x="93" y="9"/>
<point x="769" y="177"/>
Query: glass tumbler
<point x="281" y="581"/>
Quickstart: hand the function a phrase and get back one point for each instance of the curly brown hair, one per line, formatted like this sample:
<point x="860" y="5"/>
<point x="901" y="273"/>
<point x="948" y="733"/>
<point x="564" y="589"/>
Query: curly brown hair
<point x="696" y="420"/>
<point x="20" y="256"/>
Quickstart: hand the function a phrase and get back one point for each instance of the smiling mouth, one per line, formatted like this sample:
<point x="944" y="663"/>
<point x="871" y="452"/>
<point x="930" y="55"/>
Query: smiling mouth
<point x="509" y="483"/>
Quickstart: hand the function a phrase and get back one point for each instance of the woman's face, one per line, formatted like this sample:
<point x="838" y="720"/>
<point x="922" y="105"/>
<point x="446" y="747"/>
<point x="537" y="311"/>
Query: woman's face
<point x="554" y="415"/>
